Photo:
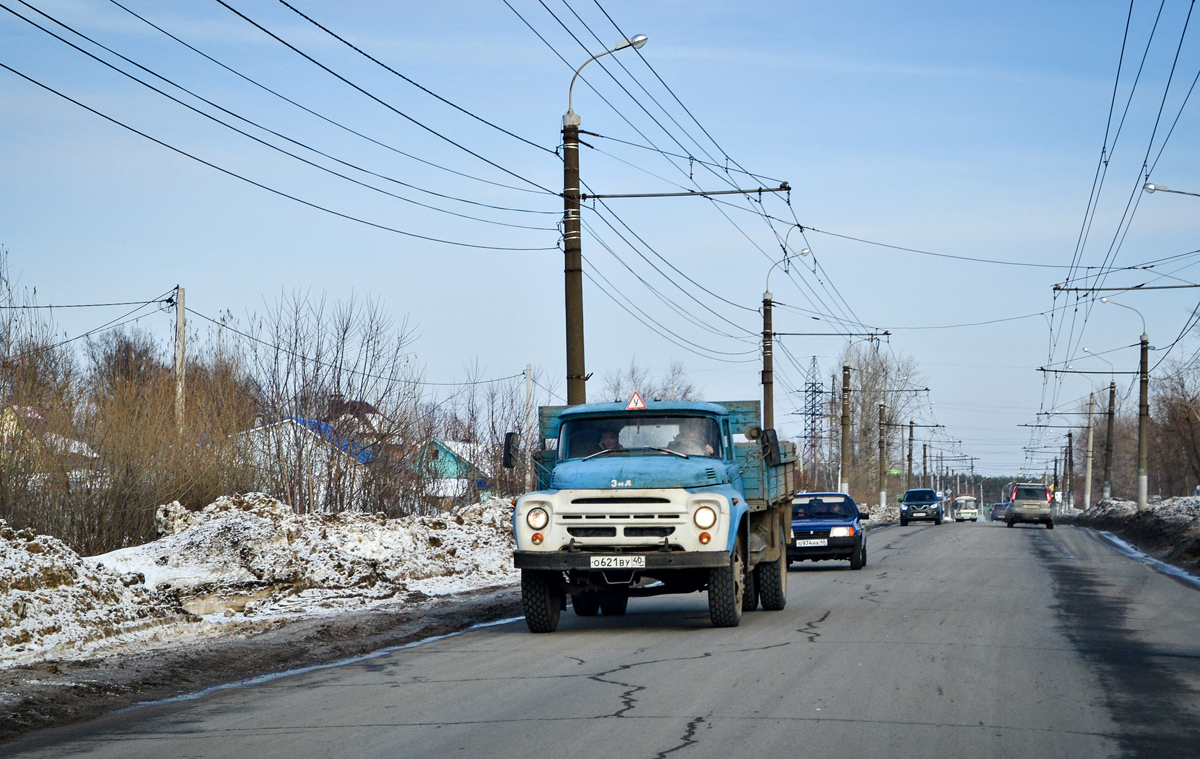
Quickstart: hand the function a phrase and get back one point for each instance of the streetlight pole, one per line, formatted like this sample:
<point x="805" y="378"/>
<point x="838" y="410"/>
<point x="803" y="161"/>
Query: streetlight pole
<point x="908" y="480"/>
<point x="1087" y="477"/>
<point x="572" y="240"/>
<point x="1106" y="490"/>
<point x="1143" y="410"/>
<point x="882" y="459"/>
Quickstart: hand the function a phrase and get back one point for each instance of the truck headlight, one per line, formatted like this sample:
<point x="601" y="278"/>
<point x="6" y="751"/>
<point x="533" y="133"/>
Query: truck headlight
<point x="841" y="532"/>
<point x="705" y="517"/>
<point x="537" y="518"/>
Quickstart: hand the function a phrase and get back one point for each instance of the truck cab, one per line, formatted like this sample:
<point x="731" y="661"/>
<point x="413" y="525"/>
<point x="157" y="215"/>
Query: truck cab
<point x="649" y="498"/>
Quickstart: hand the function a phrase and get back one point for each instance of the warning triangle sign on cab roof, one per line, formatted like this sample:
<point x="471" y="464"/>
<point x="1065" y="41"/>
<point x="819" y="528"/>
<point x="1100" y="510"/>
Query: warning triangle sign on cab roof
<point x="636" y="403"/>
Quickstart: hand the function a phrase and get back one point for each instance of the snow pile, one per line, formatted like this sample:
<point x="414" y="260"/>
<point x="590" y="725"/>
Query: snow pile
<point x="251" y="555"/>
<point x="54" y="603"/>
<point x="1170" y="529"/>
<point x="886" y="515"/>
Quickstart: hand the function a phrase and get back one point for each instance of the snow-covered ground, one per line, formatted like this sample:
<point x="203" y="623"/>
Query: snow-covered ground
<point x="238" y="562"/>
<point x="1169" y="529"/>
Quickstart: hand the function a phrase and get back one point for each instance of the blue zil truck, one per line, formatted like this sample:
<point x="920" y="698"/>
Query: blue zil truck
<point x="654" y="497"/>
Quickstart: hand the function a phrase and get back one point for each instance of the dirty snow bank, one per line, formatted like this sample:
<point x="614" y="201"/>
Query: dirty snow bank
<point x="1168" y="529"/>
<point x="240" y="561"/>
<point x="53" y="604"/>
<point x="886" y="515"/>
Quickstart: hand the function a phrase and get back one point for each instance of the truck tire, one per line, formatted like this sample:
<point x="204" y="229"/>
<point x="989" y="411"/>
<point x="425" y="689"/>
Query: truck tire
<point x="613" y="602"/>
<point x="726" y="586"/>
<point x="541" y="598"/>
<point x="750" y="592"/>
<point x="772" y="583"/>
<point x="586" y="604"/>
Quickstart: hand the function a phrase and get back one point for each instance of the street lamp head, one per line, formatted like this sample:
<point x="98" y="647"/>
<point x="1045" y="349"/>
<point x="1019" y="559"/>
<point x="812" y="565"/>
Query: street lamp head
<point x="1153" y="187"/>
<point x="805" y="252"/>
<point x="1104" y="300"/>
<point x="636" y="42"/>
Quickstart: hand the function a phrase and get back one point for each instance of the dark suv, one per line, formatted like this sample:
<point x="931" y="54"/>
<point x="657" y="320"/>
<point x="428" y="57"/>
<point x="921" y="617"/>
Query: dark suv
<point x="827" y="526"/>
<point x="921" y="503"/>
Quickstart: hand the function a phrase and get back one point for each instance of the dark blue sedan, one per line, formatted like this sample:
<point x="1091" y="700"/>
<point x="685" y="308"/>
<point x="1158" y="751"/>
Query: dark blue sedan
<point x="827" y="526"/>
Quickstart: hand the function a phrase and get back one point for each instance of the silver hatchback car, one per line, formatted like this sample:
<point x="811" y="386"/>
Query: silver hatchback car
<point x="1028" y="502"/>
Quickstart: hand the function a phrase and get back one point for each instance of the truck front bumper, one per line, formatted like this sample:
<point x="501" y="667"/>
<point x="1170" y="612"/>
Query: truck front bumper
<point x="568" y="560"/>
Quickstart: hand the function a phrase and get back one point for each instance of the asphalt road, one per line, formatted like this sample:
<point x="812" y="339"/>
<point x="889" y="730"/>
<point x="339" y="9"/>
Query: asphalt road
<point x="959" y="640"/>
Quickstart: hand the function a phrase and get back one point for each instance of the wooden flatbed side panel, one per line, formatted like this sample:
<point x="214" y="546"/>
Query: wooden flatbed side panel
<point x="548" y="421"/>
<point x="742" y="414"/>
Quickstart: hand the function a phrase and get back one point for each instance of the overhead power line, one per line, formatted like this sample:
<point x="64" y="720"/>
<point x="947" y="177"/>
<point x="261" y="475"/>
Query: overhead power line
<point x="382" y="102"/>
<point x="422" y="88"/>
<point x="260" y="185"/>
<point x="345" y="128"/>
<point x="77" y="305"/>
<point x="251" y="123"/>
<point x="367" y="375"/>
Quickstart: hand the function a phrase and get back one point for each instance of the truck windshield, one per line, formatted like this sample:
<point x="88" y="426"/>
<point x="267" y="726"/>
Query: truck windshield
<point x="814" y="508"/>
<point x="640" y="435"/>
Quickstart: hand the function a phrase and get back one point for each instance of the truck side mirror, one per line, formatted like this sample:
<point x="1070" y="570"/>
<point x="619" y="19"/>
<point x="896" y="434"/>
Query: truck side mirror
<point x="770" y="448"/>
<point x="510" y="443"/>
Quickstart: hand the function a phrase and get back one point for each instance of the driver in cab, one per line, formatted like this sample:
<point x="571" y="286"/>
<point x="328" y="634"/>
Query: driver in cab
<point x="691" y="439"/>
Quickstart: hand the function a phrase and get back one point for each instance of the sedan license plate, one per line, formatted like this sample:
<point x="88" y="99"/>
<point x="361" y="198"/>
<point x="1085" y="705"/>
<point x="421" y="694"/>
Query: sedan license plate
<point x="811" y="542"/>
<point x="618" y="562"/>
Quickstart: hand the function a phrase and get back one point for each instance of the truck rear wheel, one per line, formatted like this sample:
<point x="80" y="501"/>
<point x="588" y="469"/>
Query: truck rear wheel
<point x="541" y="598"/>
<point x="726" y="588"/>
<point x="586" y="604"/>
<point x="613" y="602"/>
<point x="772" y="582"/>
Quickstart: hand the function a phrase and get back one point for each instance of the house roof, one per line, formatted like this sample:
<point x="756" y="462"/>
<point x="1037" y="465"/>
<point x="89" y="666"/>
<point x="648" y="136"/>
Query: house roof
<point x="326" y="432"/>
<point x="473" y="454"/>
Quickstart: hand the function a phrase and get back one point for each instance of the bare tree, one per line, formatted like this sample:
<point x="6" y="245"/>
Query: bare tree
<point x="673" y="385"/>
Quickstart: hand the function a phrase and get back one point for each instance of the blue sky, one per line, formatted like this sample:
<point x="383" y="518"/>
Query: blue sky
<point x="959" y="128"/>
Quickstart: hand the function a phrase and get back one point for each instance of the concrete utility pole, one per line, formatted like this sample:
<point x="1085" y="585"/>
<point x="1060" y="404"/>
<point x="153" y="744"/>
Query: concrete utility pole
<point x="1087" y="477"/>
<point x="1108" y="441"/>
<point x="1143" y="425"/>
<point x="908" y="479"/>
<point x="924" y="465"/>
<point x="573" y="264"/>
<point x="572" y="241"/>
<point x="882" y="459"/>
<point x="844" y="472"/>
<point x="768" y="373"/>
<point x="1069" y="474"/>
<point x="180" y="356"/>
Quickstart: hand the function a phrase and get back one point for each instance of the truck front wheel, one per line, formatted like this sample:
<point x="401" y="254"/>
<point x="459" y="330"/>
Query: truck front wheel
<point x="541" y="598"/>
<point x="726" y="588"/>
